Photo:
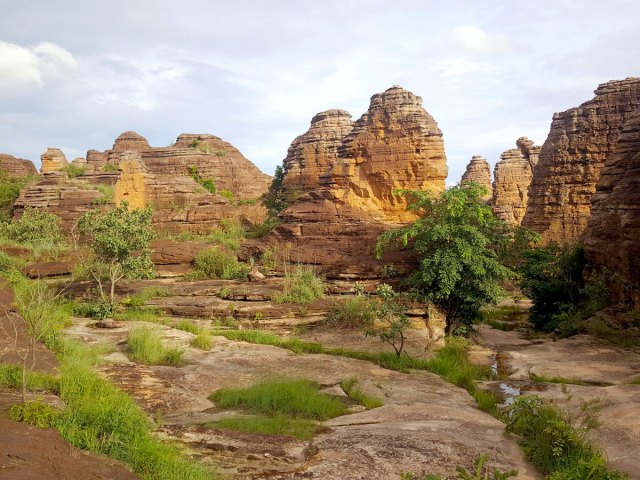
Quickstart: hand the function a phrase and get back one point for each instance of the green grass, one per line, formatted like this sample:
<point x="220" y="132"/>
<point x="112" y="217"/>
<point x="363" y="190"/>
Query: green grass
<point x="452" y="364"/>
<point x="352" y="312"/>
<point x="36" y="413"/>
<point x="218" y="263"/>
<point x="145" y="346"/>
<point x="301" y="286"/>
<point x="488" y="402"/>
<point x="355" y="393"/>
<point x="11" y="377"/>
<point x="293" y="398"/>
<point x="506" y="318"/>
<point x="203" y="341"/>
<point x="187" y="326"/>
<point x="73" y="171"/>
<point x="635" y="380"/>
<point x="140" y="314"/>
<point x="143" y="296"/>
<point x="106" y="197"/>
<point x="279" y="425"/>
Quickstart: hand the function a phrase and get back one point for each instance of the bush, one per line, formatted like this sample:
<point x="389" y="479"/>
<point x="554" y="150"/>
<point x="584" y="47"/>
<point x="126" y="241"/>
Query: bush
<point x="9" y="190"/>
<point x="36" y="228"/>
<point x="73" y="171"/>
<point x="352" y="312"/>
<point x="145" y="346"/>
<point x="207" y="183"/>
<point x="301" y="286"/>
<point x="36" y="413"/>
<point x="295" y="398"/>
<point x="218" y="263"/>
<point x="95" y="310"/>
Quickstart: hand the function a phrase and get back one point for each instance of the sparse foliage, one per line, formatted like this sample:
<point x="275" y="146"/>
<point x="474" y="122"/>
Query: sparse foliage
<point x="393" y="313"/>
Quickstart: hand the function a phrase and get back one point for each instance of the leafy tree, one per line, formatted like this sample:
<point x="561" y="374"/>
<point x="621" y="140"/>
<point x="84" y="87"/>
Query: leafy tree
<point x="119" y="240"/>
<point x="456" y="239"/>
<point x="275" y="200"/>
<point x="35" y="227"/>
<point x="393" y="313"/>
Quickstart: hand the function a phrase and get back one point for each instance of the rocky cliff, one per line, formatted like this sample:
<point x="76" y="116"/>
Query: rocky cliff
<point x="16" y="167"/>
<point x="53" y="160"/>
<point x="478" y="171"/>
<point x="312" y="154"/>
<point x="170" y="179"/>
<point x="579" y="142"/>
<point x="612" y="238"/>
<point x="395" y="144"/>
<point x="511" y="180"/>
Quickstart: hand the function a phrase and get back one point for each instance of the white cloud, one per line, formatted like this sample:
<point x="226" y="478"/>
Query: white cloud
<point x="22" y="68"/>
<point x="477" y="40"/>
<point x="453" y="67"/>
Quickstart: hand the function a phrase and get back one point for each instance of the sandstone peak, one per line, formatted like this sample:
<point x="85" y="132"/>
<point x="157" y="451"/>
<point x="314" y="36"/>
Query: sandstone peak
<point x="130" y="141"/>
<point x="579" y="142"/>
<point x="16" y="167"/>
<point x="478" y="171"/>
<point x="52" y="160"/>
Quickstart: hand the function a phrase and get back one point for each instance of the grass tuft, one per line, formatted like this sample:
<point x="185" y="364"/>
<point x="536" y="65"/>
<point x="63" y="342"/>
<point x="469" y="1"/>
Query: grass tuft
<point x="301" y="286"/>
<point x="294" y="398"/>
<point x="355" y="393"/>
<point x="352" y="312"/>
<point x="145" y="346"/>
<point x="36" y="413"/>
<point x="203" y="341"/>
<point x="11" y="377"/>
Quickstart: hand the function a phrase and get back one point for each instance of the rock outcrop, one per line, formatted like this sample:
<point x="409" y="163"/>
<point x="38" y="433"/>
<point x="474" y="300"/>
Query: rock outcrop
<point x="579" y="142"/>
<point x="478" y="171"/>
<point x="16" y="167"/>
<point x="313" y="153"/>
<point x="612" y="238"/>
<point x="395" y="144"/>
<point x="52" y="160"/>
<point x="511" y="180"/>
<point x="166" y="178"/>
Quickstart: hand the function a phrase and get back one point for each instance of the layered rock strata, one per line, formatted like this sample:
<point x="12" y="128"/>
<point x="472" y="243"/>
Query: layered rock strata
<point x="579" y="142"/>
<point x="478" y="171"/>
<point x="396" y="144"/>
<point x="612" y="238"/>
<point x="53" y="160"/>
<point x="511" y="180"/>
<point x="313" y="153"/>
<point x="16" y="167"/>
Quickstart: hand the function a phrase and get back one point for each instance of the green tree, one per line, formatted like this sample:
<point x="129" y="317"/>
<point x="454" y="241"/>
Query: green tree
<point x="275" y="200"/>
<point x="456" y="239"/>
<point x="393" y="313"/>
<point x="37" y="228"/>
<point x="9" y="190"/>
<point x="119" y="240"/>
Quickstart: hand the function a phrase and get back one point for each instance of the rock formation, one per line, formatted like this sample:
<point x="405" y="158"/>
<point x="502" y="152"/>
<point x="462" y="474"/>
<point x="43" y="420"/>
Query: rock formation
<point x="612" y="238"/>
<point x="162" y="177"/>
<point x="511" y="179"/>
<point x="313" y="153"/>
<point x="579" y="142"/>
<point x="52" y="160"/>
<point x="395" y="144"/>
<point x="478" y="171"/>
<point x="16" y="167"/>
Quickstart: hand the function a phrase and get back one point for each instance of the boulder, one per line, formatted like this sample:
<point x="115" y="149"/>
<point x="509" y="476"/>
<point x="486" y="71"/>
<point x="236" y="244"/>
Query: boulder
<point x="16" y="167"/>
<point x="53" y="160"/>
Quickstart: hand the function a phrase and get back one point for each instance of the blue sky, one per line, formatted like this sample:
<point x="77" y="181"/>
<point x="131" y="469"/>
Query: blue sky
<point x="75" y="74"/>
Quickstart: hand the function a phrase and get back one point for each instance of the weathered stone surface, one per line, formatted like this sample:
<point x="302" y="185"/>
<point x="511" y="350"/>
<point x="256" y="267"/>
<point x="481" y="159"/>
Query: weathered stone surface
<point x="172" y="258"/>
<point x="511" y="179"/>
<point x="612" y="239"/>
<point x="16" y="167"/>
<point x="579" y="142"/>
<point x="312" y="154"/>
<point x="395" y="144"/>
<point x="478" y="171"/>
<point x="52" y="160"/>
<point x="49" y="269"/>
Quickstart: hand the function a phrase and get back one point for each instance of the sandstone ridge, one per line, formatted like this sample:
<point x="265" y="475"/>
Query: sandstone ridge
<point x="16" y="167"/>
<point x="478" y="171"/>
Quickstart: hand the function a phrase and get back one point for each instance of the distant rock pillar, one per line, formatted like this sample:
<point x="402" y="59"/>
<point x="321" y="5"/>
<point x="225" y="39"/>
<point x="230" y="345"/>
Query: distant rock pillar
<point x="131" y="186"/>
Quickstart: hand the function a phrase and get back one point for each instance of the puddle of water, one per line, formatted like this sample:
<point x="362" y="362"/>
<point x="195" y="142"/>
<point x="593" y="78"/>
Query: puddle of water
<point x="510" y="393"/>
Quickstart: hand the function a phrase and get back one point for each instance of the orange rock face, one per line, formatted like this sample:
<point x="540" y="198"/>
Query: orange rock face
<point x="395" y="144"/>
<point x="313" y="153"/>
<point x="511" y="180"/>
<point x="52" y="160"/>
<point x="580" y="141"/>
<point x="16" y="167"/>
<point x="612" y="238"/>
<point x="478" y="171"/>
<point x="161" y="177"/>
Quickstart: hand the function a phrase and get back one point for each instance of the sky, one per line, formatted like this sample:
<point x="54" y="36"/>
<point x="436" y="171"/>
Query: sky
<point x="74" y="74"/>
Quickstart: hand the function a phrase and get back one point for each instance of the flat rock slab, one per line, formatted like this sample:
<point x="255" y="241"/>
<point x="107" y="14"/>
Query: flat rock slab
<point x="425" y="425"/>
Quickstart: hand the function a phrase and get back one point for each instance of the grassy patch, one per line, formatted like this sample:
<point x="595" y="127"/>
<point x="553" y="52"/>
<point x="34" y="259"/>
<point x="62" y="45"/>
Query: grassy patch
<point x="488" y="402"/>
<point x="301" y="286"/>
<point x="143" y="296"/>
<point x="36" y="413"/>
<point x="187" y="326"/>
<point x="562" y="380"/>
<point x="203" y="341"/>
<point x="218" y="263"/>
<point x="11" y="377"/>
<point x="355" y="393"/>
<point x="557" y="442"/>
<point x="145" y="346"/>
<point x="73" y="171"/>
<point x="140" y="314"/>
<point x="452" y="364"/>
<point x="352" y="312"/>
<point x="279" y="425"/>
<point x="107" y="195"/>
<point x="293" y="398"/>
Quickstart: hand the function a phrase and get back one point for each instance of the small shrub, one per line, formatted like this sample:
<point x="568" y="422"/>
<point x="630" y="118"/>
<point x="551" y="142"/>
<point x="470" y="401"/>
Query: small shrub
<point x="95" y="310"/>
<point x="228" y="194"/>
<point x="110" y="167"/>
<point x="36" y="228"/>
<point x="393" y="313"/>
<point x="352" y="312"/>
<point x="259" y="230"/>
<point x="207" y="183"/>
<point x="218" y="263"/>
<point x="36" y="413"/>
<point x="301" y="286"/>
<point x="295" y="398"/>
<point x="145" y="346"/>
<point x="9" y="191"/>
<point x="107" y="195"/>
<point x="279" y="425"/>
<point x="73" y="171"/>
<point x="203" y="341"/>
